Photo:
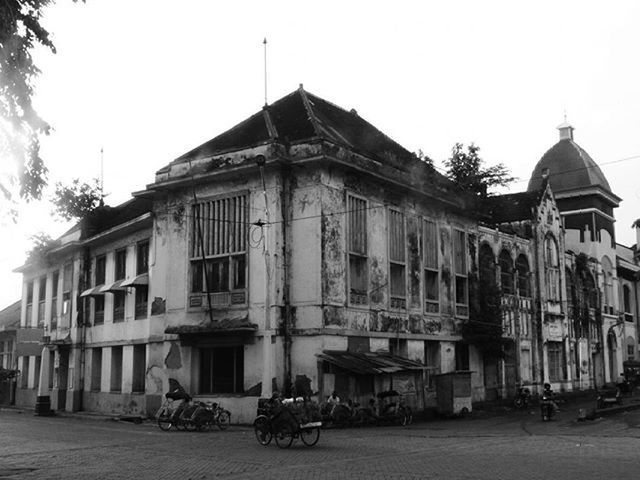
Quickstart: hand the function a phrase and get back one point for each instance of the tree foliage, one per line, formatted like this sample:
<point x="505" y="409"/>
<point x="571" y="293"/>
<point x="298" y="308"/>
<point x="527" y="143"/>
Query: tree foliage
<point x="8" y="374"/>
<point x="20" y="125"/>
<point x="41" y="244"/>
<point x="467" y="170"/>
<point x="76" y="200"/>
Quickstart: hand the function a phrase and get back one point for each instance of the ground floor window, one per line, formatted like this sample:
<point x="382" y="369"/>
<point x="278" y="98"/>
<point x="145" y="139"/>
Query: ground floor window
<point x="116" y="369"/>
<point x="96" y="369"/>
<point x="462" y="356"/>
<point x="555" y="354"/>
<point x="222" y="369"/>
<point x="24" y="383"/>
<point x="36" y="371"/>
<point x="139" y="367"/>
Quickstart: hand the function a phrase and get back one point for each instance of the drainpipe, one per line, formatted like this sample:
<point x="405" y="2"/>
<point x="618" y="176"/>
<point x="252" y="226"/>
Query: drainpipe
<point x="267" y="348"/>
<point x="286" y="206"/>
<point x="82" y="321"/>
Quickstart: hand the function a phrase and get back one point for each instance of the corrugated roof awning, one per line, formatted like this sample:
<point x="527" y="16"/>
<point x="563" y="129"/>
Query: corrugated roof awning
<point x="226" y="325"/>
<point x="369" y="362"/>
<point x="114" y="287"/>
<point x="93" y="292"/>
<point x="136" y="281"/>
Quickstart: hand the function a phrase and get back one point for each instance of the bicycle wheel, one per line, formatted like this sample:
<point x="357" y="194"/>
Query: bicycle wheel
<point x="224" y="419"/>
<point x="262" y="430"/>
<point x="164" y="420"/>
<point x="310" y="436"/>
<point x="284" y="438"/>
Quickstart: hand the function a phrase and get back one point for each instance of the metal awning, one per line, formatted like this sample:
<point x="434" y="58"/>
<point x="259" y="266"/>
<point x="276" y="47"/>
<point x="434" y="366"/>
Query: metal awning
<point x="93" y="292"/>
<point x="369" y="362"/>
<point x="114" y="287"/>
<point x="142" y="279"/>
<point x="225" y="325"/>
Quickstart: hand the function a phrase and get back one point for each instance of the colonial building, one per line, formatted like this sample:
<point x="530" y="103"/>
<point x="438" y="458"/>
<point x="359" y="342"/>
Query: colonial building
<point x="304" y="249"/>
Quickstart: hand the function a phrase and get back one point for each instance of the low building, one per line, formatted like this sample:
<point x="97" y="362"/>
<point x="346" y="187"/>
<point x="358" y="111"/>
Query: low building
<point x="9" y="323"/>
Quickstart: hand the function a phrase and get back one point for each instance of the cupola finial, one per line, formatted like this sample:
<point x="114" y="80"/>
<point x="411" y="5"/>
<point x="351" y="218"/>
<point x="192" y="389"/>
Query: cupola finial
<point x="566" y="130"/>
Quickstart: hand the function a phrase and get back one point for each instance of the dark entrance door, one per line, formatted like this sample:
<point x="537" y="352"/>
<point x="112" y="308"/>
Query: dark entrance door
<point x="63" y="376"/>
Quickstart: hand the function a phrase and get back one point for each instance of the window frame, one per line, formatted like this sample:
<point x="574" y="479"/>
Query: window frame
<point x="216" y="235"/>
<point x="431" y="305"/>
<point x="357" y="297"/>
<point x="461" y="309"/>
<point x="552" y="266"/>
<point x="397" y="302"/>
<point x="55" y="285"/>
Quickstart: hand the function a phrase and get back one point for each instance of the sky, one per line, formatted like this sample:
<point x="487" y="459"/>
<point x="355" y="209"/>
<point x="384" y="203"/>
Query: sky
<point x="148" y="80"/>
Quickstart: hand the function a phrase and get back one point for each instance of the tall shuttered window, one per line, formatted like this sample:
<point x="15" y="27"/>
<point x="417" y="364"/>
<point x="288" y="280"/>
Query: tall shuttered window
<point x="357" y="250"/>
<point x="431" y="269"/>
<point x="219" y="251"/>
<point x="397" y="260"/>
<point x="460" y="271"/>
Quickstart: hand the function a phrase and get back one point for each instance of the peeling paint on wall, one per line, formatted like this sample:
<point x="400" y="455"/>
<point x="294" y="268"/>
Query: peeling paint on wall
<point x="158" y="306"/>
<point x="333" y="316"/>
<point x="332" y="259"/>
<point x="173" y="359"/>
<point x="415" y="264"/>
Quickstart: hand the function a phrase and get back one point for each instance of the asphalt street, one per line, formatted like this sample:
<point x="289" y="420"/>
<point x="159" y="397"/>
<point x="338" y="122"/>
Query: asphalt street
<point x="510" y="445"/>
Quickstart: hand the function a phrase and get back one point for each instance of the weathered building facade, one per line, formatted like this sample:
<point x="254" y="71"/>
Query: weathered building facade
<point x="303" y="249"/>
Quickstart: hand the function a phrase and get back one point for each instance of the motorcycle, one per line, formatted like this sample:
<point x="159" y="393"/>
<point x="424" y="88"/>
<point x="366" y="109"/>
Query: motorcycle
<point x="522" y="398"/>
<point x="547" y="407"/>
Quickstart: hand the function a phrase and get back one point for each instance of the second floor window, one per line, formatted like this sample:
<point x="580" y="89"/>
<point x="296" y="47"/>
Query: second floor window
<point x="29" y="302"/>
<point x="506" y="272"/>
<point x="54" y="299"/>
<point x="460" y="271"/>
<point x="98" y="301"/>
<point x="553" y="270"/>
<point x="42" y="291"/>
<point x="67" y="283"/>
<point x="218" y="253"/>
<point x="431" y="269"/>
<point x="357" y="250"/>
<point x="142" y="257"/>
<point x="397" y="260"/>
<point x="121" y="264"/>
<point x="101" y="269"/>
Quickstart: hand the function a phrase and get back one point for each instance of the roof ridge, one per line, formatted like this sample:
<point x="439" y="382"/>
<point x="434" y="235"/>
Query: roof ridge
<point x="307" y="106"/>
<point x="351" y="112"/>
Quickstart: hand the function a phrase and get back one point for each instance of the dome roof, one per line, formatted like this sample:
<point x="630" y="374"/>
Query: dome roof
<point x="568" y="167"/>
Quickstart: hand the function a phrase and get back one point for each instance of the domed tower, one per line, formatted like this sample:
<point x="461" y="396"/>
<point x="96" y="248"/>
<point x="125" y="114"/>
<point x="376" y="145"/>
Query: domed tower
<point x="583" y="195"/>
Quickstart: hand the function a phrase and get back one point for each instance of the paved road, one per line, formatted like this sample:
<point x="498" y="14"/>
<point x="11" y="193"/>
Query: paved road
<point x="513" y="446"/>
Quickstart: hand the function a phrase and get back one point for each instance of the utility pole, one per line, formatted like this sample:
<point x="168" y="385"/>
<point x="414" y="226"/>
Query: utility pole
<point x="267" y="348"/>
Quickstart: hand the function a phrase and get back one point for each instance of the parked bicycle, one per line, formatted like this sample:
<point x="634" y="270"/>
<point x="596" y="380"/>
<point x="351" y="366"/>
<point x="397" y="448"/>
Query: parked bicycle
<point x="280" y="422"/>
<point x="196" y="415"/>
<point x="179" y="411"/>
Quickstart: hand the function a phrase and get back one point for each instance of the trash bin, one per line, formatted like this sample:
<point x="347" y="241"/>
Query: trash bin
<point x="454" y="392"/>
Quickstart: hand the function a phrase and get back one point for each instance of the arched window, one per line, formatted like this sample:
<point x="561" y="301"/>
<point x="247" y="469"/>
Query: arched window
<point x="487" y="265"/>
<point x="626" y="299"/>
<point x="589" y="291"/>
<point x="607" y="287"/>
<point x="569" y="290"/>
<point x="506" y="272"/>
<point x="553" y="270"/>
<point x="524" y="284"/>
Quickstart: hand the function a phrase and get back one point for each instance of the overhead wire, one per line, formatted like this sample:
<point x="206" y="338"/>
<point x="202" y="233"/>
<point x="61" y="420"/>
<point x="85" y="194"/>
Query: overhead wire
<point x="168" y="210"/>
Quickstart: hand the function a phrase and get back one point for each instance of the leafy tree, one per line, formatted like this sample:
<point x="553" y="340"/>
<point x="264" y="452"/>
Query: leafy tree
<point x="74" y="201"/>
<point x="7" y="374"/>
<point x="466" y="169"/>
<point x="20" y="125"/>
<point x="42" y="243"/>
